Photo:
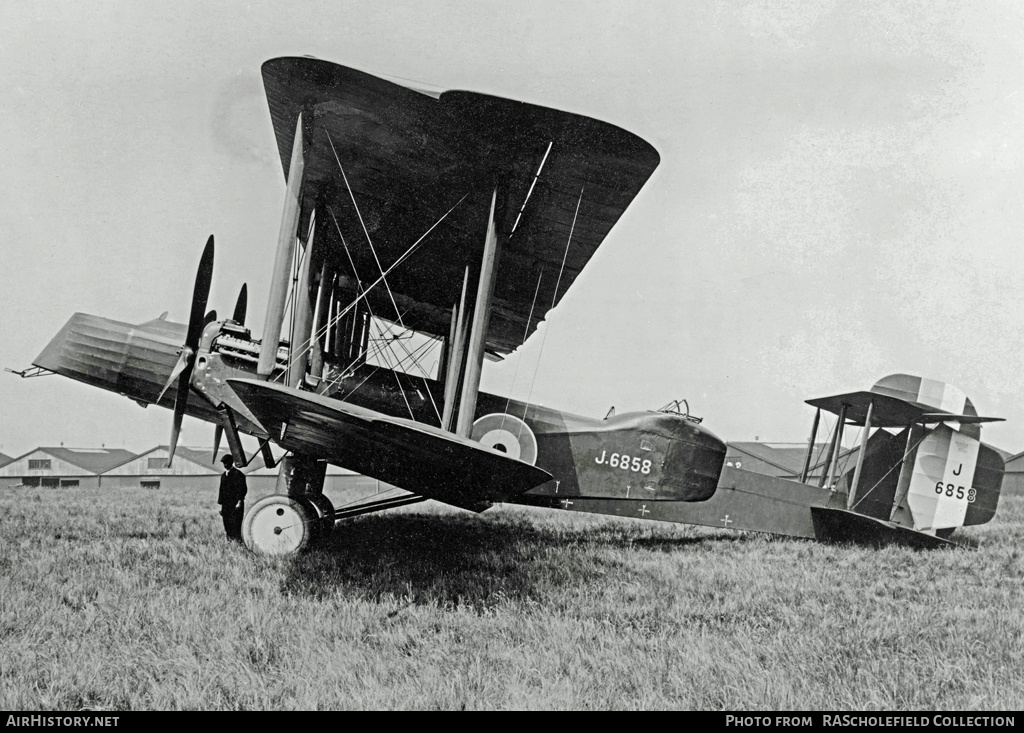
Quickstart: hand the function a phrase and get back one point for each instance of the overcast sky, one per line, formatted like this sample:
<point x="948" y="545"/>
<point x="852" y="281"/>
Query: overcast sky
<point x="840" y="197"/>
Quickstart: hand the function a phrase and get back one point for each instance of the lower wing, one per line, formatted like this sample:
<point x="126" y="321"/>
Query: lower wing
<point x="410" y="455"/>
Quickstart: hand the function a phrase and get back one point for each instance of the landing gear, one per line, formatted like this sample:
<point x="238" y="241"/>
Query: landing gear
<point x="291" y="521"/>
<point x="285" y="525"/>
<point x="323" y="513"/>
<point x="279" y="525"/>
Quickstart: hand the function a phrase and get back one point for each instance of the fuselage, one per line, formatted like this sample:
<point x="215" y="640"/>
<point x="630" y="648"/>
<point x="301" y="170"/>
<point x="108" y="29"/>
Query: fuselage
<point x="655" y="456"/>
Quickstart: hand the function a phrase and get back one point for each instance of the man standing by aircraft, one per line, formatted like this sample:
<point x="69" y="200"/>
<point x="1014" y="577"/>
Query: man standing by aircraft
<point x="232" y="498"/>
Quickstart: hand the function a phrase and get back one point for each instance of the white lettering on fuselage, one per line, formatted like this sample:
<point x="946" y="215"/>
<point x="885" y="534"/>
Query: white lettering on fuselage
<point x="636" y="464"/>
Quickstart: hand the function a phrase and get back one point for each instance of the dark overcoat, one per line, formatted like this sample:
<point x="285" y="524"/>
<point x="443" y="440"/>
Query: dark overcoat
<point x="232" y="488"/>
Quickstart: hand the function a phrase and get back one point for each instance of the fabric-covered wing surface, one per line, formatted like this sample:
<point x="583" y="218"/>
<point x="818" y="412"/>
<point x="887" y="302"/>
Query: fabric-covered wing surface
<point x="406" y="158"/>
<point x="891" y="412"/>
<point x="410" y="455"/>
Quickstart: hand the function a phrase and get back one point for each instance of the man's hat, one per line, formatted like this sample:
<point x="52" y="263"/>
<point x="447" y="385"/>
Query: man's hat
<point x="227" y="458"/>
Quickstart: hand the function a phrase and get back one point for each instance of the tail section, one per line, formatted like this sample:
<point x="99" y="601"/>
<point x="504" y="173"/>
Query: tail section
<point x="953" y="480"/>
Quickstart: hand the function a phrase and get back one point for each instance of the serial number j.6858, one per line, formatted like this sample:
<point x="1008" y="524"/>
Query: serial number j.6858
<point x="623" y="461"/>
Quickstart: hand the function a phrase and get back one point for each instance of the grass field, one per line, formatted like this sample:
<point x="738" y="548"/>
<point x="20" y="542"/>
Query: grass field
<point x="132" y="599"/>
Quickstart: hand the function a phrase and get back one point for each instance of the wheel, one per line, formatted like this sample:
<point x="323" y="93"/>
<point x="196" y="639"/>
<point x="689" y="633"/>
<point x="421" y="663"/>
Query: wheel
<point x="279" y="525"/>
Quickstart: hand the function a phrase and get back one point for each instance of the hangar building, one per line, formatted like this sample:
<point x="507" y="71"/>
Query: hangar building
<point x="63" y="467"/>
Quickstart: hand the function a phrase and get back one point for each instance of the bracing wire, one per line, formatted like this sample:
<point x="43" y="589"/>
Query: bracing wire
<point x="426" y="377"/>
<point x="405" y="255"/>
<point x="849" y="453"/>
<point x="369" y="241"/>
<point x="816" y="463"/>
<point x="386" y="354"/>
<point x="526" y="332"/>
<point x="384" y="345"/>
<point x="900" y="463"/>
<point x="529" y="193"/>
<point x="554" y="299"/>
<point x="361" y="382"/>
<point x="382" y="349"/>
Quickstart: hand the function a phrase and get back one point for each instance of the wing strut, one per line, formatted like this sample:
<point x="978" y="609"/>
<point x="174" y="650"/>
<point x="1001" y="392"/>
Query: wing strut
<point x="282" y="260"/>
<point x="319" y="340"/>
<point x="906" y="468"/>
<point x="860" y="457"/>
<point x="810" y="447"/>
<point x="478" y="330"/>
<point x="268" y="456"/>
<point x="230" y="429"/>
<point x="455" y="357"/>
<point x="836" y="449"/>
<point x="302" y="311"/>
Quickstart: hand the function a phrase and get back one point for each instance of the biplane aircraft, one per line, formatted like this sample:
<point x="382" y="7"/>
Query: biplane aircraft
<point x="461" y="219"/>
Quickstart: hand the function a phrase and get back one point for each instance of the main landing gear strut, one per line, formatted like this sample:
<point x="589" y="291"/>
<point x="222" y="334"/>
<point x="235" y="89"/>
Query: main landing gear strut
<point x="297" y="516"/>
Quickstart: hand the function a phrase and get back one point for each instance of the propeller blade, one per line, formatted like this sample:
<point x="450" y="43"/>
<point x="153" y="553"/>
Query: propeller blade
<point x="197" y="320"/>
<point x="180" y="403"/>
<point x="217" y="433"/>
<point x="240" y="305"/>
<point x="200" y="295"/>
<point x="175" y="430"/>
<point x="183" y="361"/>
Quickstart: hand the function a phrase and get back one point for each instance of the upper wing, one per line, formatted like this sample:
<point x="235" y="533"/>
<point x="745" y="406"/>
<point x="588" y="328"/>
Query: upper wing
<point x="409" y="157"/>
<point x="410" y="455"/>
<point x="888" y="412"/>
<point x="931" y="417"/>
<point x="891" y="412"/>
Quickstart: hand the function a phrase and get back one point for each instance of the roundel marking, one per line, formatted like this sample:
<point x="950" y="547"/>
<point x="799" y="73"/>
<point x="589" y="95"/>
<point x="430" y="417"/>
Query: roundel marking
<point x="508" y="434"/>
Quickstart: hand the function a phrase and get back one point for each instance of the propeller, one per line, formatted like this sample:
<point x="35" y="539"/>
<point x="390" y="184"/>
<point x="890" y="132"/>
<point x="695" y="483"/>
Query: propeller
<point x="197" y="321"/>
<point x="240" y="305"/>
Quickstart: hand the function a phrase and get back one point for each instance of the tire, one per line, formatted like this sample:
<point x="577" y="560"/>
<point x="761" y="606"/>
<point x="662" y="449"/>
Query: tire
<point x="280" y="525"/>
